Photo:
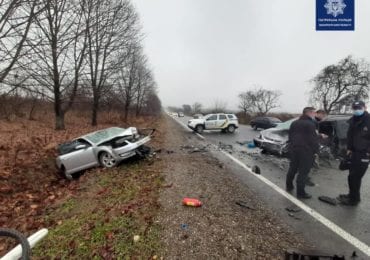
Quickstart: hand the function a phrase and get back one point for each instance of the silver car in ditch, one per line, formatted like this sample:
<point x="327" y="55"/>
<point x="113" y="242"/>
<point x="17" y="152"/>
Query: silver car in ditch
<point x="104" y="148"/>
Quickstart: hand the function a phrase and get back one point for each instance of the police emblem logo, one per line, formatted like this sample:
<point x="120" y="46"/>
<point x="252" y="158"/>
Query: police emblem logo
<point x="335" y="7"/>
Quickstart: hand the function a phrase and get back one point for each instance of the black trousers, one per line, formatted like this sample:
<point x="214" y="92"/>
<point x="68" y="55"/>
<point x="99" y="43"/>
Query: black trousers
<point x="301" y="161"/>
<point x="360" y="163"/>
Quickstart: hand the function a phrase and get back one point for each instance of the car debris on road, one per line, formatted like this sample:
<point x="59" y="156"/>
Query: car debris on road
<point x="275" y="140"/>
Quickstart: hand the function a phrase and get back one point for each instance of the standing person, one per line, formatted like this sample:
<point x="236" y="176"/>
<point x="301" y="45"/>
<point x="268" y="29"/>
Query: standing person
<point x="303" y="144"/>
<point x="358" y="148"/>
<point x="320" y="115"/>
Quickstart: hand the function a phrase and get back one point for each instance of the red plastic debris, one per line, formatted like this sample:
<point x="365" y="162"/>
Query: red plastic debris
<point x="191" y="202"/>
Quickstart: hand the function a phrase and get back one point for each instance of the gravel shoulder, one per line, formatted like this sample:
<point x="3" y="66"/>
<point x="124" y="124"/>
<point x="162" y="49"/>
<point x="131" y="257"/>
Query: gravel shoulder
<point x="220" y="228"/>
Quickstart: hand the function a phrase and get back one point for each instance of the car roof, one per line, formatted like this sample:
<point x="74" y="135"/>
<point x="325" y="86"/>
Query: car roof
<point x="336" y="118"/>
<point x="104" y="135"/>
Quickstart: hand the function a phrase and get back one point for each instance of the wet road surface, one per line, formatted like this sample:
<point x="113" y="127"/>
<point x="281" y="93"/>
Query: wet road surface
<point x="329" y="182"/>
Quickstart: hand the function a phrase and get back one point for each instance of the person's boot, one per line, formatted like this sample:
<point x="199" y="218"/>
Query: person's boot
<point x="348" y="201"/>
<point x="289" y="187"/>
<point x="310" y="183"/>
<point x="304" y="196"/>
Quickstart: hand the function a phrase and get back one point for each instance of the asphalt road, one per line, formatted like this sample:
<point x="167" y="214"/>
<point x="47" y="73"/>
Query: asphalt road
<point x="329" y="182"/>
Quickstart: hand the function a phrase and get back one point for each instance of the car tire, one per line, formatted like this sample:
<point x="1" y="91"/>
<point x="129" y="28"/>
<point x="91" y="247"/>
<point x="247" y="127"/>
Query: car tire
<point x="107" y="160"/>
<point x="63" y="174"/>
<point x="231" y="129"/>
<point x="255" y="127"/>
<point x="199" y="129"/>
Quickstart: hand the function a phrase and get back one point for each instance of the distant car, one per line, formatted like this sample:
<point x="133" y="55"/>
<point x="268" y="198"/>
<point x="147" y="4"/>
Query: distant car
<point x="197" y="116"/>
<point x="264" y="122"/>
<point x="224" y="122"/>
<point x="275" y="140"/>
<point x="180" y="114"/>
<point x="104" y="148"/>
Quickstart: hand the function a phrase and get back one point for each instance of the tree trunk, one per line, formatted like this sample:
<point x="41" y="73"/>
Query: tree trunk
<point x="59" y="116"/>
<point x="127" y="106"/>
<point x="95" y="109"/>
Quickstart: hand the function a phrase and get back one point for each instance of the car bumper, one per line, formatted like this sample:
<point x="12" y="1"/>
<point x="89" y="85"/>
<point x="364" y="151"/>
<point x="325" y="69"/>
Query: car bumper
<point x="191" y="127"/>
<point x="270" y="146"/>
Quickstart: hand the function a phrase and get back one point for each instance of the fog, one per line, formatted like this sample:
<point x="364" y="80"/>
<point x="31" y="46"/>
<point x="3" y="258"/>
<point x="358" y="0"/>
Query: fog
<point x="204" y="50"/>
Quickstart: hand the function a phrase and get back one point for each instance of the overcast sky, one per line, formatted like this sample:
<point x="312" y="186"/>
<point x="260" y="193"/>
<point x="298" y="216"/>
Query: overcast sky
<point x="204" y="50"/>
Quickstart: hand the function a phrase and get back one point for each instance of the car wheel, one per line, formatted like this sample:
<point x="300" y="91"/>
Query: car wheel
<point x="107" y="160"/>
<point x="231" y="128"/>
<point x="62" y="173"/>
<point x="199" y="129"/>
<point x="255" y="127"/>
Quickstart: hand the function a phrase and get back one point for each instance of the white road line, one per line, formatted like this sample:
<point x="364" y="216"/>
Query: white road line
<point x="313" y="213"/>
<point x="326" y="222"/>
<point x="187" y="128"/>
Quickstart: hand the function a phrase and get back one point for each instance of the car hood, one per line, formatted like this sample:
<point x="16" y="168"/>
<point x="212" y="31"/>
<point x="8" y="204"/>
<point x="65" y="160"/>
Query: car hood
<point x="104" y="135"/>
<point x="275" y="135"/>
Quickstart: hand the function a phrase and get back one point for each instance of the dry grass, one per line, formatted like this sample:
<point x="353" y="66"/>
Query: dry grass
<point x="29" y="183"/>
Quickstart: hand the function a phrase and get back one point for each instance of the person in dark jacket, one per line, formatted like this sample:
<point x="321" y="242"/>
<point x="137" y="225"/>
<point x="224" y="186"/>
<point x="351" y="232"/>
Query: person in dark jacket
<point x="303" y="145"/>
<point x="358" y="148"/>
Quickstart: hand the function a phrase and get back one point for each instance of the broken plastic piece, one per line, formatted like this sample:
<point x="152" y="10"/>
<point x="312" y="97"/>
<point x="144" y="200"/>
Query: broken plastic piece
<point x="191" y="202"/>
<point x="243" y="204"/>
<point x="256" y="169"/>
<point x="293" y="254"/>
<point x="293" y="209"/>
<point x="328" y="200"/>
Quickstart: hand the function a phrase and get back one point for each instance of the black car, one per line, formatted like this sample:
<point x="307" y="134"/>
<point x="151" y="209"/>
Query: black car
<point x="275" y="140"/>
<point x="264" y="122"/>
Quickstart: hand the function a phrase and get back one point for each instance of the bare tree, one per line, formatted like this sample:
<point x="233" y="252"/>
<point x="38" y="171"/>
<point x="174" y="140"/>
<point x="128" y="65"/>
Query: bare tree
<point x="58" y="47"/>
<point x="16" y="17"/>
<point x="259" y="100"/>
<point x="219" y="106"/>
<point x="246" y="101"/>
<point x="146" y="84"/>
<point x="197" y="108"/>
<point x="112" y="27"/>
<point x="338" y="85"/>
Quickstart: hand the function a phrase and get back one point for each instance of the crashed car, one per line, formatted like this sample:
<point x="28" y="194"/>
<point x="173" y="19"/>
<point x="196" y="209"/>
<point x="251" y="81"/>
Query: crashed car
<point x="275" y="140"/>
<point x="104" y="148"/>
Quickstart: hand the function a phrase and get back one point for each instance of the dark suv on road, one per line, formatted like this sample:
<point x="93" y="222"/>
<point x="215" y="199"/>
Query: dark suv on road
<point x="264" y="122"/>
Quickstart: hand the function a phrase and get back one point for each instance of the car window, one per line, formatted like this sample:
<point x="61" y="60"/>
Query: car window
<point x="231" y="116"/>
<point x="286" y="124"/>
<point x="275" y="120"/>
<point x="213" y="117"/>
<point x="221" y="117"/>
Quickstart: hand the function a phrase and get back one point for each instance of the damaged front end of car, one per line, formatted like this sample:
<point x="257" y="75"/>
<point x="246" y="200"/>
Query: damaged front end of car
<point x="106" y="148"/>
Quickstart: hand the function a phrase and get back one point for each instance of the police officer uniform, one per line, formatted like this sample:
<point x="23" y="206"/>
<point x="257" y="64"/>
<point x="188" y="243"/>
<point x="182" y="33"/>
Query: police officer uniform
<point x="358" y="145"/>
<point x="303" y="144"/>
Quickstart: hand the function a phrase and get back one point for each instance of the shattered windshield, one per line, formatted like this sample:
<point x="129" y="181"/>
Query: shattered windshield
<point x="104" y="134"/>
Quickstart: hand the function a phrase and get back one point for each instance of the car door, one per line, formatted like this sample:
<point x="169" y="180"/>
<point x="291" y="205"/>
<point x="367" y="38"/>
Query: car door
<point x="222" y="121"/>
<point x="265" y="123"/>
<point x="82" y="158"/>
<point x="211" y="122"/>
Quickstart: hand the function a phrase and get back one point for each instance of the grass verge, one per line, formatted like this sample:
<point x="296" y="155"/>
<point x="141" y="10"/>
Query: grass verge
<point x="100" y="220"/>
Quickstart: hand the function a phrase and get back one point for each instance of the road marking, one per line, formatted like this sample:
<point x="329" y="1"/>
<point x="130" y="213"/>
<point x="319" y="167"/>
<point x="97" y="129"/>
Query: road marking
<point x="313" y="213"/>
<point x="187" y="128"/>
